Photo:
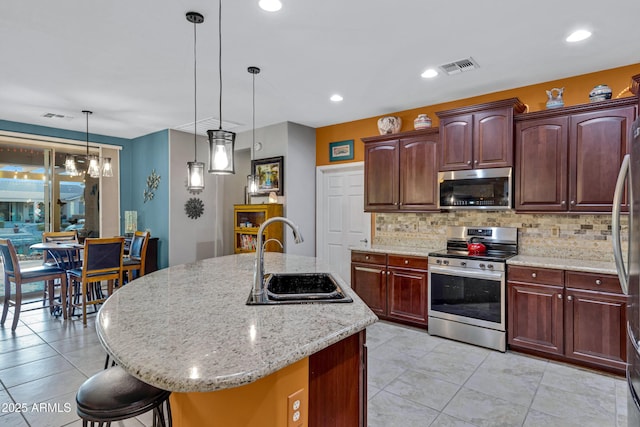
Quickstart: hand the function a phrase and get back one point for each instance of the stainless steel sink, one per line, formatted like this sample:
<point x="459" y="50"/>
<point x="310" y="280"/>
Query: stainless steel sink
<point x="300" y="288"/>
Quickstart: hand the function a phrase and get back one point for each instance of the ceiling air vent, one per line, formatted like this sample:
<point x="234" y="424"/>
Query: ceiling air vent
<point x="459" y="66"/>
<point x="53" y="116"/>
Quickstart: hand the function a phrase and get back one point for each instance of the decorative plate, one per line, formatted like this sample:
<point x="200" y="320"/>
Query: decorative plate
<point x="194" y="208"/>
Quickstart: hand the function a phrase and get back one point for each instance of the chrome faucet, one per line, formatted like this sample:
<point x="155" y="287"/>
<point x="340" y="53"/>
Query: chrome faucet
<point x="259" y="290"/>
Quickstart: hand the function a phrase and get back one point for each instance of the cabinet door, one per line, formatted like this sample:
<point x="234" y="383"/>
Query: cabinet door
<point x="595" y="327"/>
<point x="381" y="186"/>
<point x="493" y="138"/>
<point x="541" y="164"/>
<point x="598" y="142"/>
<point x="455" y="143"/>
<point x="369" y="281"/>
<point x="408" y="295"/>
<point x="535" y="317"/>
<point x="419" y="173"/>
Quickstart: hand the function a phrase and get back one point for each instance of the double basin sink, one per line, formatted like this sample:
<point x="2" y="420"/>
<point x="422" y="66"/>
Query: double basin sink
<point x="300" y="288"/>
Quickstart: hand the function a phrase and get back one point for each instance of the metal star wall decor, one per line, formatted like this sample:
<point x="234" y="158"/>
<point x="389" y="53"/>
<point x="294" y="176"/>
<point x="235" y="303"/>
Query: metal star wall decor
<point x="153" y="181"/>
<point x="194" y="208"/>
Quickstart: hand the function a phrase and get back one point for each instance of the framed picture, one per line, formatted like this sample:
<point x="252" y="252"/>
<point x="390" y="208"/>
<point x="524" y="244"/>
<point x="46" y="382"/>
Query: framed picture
<point x="270" y="173"/>
<point x="341" y="150"/>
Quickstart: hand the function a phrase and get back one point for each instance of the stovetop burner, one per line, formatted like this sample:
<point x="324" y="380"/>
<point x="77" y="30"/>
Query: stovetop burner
<point x="501" y="243"/>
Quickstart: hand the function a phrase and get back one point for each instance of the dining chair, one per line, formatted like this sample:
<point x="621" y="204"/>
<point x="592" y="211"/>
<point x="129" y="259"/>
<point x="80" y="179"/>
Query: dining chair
<point x="137" y="257"/>
<point x="102" y="261"/>
<point x="48" y="259"/>
<point x="19" y="276"/>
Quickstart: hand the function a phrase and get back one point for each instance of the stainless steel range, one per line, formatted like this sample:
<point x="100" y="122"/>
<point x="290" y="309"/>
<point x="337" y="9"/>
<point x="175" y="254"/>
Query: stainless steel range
<point x="467" y="291"/>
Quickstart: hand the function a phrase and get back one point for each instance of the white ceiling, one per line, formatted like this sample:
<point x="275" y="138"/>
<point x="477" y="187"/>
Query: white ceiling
<point x="131" y="62"/>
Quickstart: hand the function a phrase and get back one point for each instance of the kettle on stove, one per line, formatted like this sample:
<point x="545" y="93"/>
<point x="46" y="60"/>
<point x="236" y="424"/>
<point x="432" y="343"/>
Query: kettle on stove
<point x="475" y="247"/>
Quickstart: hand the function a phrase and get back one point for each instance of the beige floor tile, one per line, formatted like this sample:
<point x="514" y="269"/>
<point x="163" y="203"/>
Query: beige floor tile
<point x="485" y="411"/>
<point x="34" y="370"/>
<point x="389" y="410"/>
<point x="423" y="389"/>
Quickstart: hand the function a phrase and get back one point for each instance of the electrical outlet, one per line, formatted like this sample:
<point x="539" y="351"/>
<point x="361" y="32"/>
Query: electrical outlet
<point x="296" y="407"/>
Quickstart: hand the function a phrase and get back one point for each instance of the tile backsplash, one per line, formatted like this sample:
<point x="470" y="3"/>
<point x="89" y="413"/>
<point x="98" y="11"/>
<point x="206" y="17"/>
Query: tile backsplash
<point x="564" y="236"/>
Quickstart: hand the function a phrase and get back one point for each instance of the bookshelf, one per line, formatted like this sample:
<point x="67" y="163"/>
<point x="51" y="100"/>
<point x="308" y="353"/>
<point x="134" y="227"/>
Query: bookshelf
<point x="248" y="219"/>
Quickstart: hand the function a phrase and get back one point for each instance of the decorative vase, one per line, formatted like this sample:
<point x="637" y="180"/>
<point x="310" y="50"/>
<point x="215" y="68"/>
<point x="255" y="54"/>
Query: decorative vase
<point x="422" y="122"/>
<point x="555" y="101"/>
<point x="389" y="124"/>
<point x="600" y="93"/>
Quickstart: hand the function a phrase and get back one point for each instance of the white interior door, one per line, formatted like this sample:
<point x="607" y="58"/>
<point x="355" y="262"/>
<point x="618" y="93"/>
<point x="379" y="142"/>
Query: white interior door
<point x="342" y="222"/>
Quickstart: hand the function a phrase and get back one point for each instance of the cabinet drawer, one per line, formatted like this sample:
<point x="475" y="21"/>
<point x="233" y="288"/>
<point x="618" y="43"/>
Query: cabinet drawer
<point x="369" y="257"/>
<point x="408" y="262"/>
<point x="593" y="282"/>
<point x="545" y="276"/>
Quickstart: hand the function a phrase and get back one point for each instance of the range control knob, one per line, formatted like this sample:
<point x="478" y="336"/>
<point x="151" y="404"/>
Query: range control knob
<point x="438" y="261"/>
<point x="481" y="265"/>
<point x="463" y="264"/>
<point x="445" y="262"/>
<point x="490" y="266"/>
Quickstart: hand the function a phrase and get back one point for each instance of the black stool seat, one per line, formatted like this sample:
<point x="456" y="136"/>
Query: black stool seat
<point x="113" y="395"/>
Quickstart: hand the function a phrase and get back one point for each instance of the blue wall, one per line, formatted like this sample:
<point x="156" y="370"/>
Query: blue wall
<point x="143" y="155"/>
<point x="138" y="158"/>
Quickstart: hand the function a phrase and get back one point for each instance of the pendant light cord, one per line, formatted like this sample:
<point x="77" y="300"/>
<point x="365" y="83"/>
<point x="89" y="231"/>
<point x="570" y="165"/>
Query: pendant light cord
<point x="253" y="144"/>
<point x="195" y="92"/>
<point x="220" y="56"/>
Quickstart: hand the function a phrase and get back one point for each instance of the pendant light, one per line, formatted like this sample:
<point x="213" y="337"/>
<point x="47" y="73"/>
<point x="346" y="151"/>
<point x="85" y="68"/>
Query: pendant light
<point x="252" y="180"/>
<point x="195" y="174"/>
<point x="221" y="142"/>
<point x="93" y="164"/>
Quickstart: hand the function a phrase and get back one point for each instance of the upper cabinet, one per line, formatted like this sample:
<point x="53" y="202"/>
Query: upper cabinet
<point x="401" y="171"/>
<point x="567" y="159"/>
<point x="478" y="136"/>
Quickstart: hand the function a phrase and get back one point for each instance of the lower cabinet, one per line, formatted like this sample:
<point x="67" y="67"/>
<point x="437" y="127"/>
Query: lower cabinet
<point x="394" y="287"/>
<point x="567" y="315"/>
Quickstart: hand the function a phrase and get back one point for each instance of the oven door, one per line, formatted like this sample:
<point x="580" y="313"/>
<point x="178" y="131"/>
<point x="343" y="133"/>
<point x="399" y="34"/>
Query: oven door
<point x="467" y="296"/>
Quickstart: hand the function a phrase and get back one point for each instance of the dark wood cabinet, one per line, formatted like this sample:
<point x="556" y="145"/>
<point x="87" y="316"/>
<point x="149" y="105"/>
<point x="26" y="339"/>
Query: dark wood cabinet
<point x="568" y="159"/>
<point x="394" y="287"/>
<point x="570" y="316"/>
<point x="595" y="320"/>
<point x="478" y="136"/>
<point x="338" y="384"/>
<point x="401" y="172"/>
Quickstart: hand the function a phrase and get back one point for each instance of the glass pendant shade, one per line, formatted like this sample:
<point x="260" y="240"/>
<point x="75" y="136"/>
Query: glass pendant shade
<point x="252" y="184"/>
<point x="94" y="167"/>
<point x="195" y="176"/>
<point x="221" y="146"/>
<point x="107" y="170"/>
<point x="70" y="165"/>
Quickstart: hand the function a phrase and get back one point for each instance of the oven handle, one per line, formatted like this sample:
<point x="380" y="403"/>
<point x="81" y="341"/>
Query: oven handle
<point x="465" y="272"/>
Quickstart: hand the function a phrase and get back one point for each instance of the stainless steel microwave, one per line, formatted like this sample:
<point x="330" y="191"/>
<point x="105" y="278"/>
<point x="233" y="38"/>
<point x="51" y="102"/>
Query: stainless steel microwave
<point x="488" y="189"/>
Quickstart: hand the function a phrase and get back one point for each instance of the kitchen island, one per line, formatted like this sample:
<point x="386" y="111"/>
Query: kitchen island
<point x="187" y="329"/>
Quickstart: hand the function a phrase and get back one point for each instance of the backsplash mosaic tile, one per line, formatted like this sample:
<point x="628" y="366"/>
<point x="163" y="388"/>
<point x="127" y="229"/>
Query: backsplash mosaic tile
<point x="585" y="237"/>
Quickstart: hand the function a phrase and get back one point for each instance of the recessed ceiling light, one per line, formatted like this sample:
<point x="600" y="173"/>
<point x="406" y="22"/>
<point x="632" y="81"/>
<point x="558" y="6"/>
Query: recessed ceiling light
<point x="336" y="98"/>
<point x="429" y="73"/>
<point x="579" y="35"/>
<point x="270" y="5"/>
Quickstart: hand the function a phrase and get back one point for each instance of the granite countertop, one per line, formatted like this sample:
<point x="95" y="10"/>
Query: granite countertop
<point x="187" y="328"/>
<point x="396" y="250"/>
<point x="602" y="267"/>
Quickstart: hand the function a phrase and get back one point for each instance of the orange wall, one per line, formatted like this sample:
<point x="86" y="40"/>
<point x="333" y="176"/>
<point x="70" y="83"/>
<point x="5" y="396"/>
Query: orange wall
<point x="577" y="90"/>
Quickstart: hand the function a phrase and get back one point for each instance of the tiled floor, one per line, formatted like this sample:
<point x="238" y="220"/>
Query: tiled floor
<point x="419" y="380"/>
<point x="414" y="380"/>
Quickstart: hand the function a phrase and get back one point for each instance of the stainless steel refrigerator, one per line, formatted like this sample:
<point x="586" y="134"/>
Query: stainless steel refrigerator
<point x="629" y="274"/>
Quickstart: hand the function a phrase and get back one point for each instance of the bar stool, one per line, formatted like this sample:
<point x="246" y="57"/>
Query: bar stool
<point x="114" y="395"/>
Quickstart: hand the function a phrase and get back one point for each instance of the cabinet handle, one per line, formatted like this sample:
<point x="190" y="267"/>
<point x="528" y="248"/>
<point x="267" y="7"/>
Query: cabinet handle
<point x="563" y="203"/>
<point x="569" y="298"/>
<point x="476" y="162"/>
<point x="406" y="261"/>
<point x="388" y="273"/>
<point x="366" y="257"/>
<point x="598" y="282"/>
<point x="534" y="275"/>
<point x="559" y="296"/>
<point x="468" y="162"/>
<point x="573" y="202"/>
